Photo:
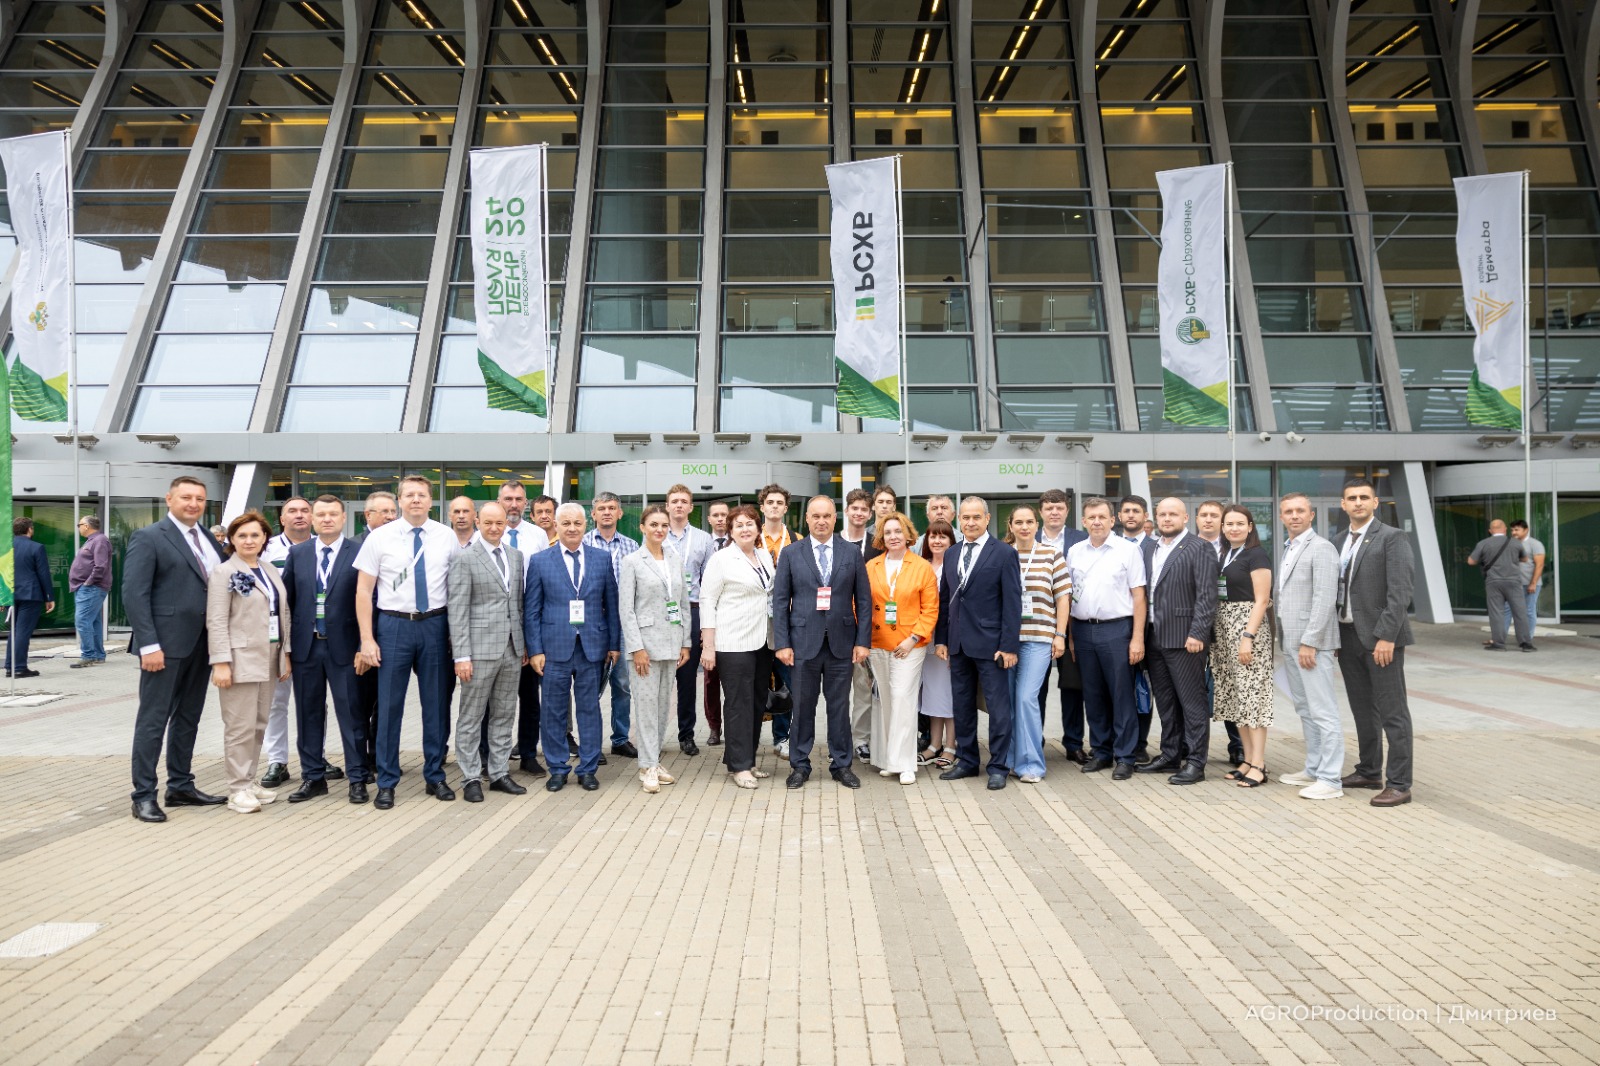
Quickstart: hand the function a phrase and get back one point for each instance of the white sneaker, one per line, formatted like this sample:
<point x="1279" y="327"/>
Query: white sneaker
<point x="782" y="749"/>
<point x="1321" y="791"/>
<point x="885" y="773"/>
<point x="908" y="778"/>
<point x="664" y="777"/>
<point x="244" y="803"/>
<point x="1299" y="777"/>
<point x="1029" y="779"/>
<point x="649" y="781"/>
<point x="263" y="795"/>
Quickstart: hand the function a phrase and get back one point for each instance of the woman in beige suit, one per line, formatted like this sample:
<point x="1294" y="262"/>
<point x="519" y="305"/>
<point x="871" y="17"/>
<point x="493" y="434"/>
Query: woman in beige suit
<point x="247" y="627"/>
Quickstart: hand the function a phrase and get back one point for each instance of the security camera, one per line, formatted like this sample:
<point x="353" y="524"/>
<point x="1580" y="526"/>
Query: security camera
<point x="1263" y="436"/>
<point x="1294" y="438"/>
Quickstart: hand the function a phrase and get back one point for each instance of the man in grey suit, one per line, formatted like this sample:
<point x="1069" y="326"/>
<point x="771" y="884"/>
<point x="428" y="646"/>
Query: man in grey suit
<point x="1379" y="570"/>
<point x="164" y="593"/>
<point x="485" y="609"/>
<point x="1308" y="584"/>
<point x="822" y="625"/>
<point x="1501" y="557"/>
<point x="1183" y="604"/>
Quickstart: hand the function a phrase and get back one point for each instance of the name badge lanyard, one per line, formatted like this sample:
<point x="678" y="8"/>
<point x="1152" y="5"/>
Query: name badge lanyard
<point x="1027" y="599"/>
<point x="575" y="606"/>
<point x="891" y="609"/>
<point x="762" y="578"/>
<point x="269" y="590"/>
<point x="324" y="573"/>
<point x="1222" y="575"/>
<point x="411" y="566"/>
<point x="663" y="570"/>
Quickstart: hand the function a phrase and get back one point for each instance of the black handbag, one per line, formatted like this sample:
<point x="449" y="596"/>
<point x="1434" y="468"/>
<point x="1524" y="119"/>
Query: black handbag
<point x="779" y="701"/>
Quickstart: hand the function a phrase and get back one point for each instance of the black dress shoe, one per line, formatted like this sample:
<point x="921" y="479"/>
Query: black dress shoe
<point x="508" y="786"/>
<point x="714" y="740"/>
<point x="602" y="758"/>
<point x="472" y="792"/>
<point x="1141" y="756"/>
<point x="308" y="790"/>
<point x="440" y="791"/>
<point x="533" y="768"/>
<point x="1162" y="765"/>
<point x="277" y="773"/>
<point x="385" y="799"/>
<point x="556" y="783"/>
<point x="689" y="747"/>
<point x="625" y="749"/>
<point x="27" y="673"/>
<point x="589" y="782"/>
<point x="148" y="810"/>
<point x="1077" y="755"/>
<point x="797" y="778"/>
<point x="358" y="792"/>
<point x="1527" y="647"/>
<point x="957" y="772"/>
<point x="193" y="797"/>
<point x="1191" y="773"/>
<point x="1236" y="756"/>
<point x="846" y="777"/>
<point x="997" y="782"/>
<point x="572" y="746"/>
<point x="1123" y="771"/>
<point x="333" y="773"/>
<point x="1095" y="765"/>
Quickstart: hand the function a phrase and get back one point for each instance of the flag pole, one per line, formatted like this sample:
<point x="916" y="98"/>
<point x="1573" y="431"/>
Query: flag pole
<point x="1527" y="366"/>
<point x="549" y="359"/>
<point x="72" y="338"/>
<point x="905" y="394"/>
<point x="1228" y="253"/>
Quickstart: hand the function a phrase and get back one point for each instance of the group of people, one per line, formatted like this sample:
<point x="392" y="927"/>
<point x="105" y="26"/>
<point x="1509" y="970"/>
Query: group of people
<point x="900" y="636"/>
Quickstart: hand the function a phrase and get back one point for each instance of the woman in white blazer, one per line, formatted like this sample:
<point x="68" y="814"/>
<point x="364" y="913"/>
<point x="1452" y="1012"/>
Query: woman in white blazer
<point x="247" y="628"/>
<point x="653" y="602"/>
<point x="736" y="635"/>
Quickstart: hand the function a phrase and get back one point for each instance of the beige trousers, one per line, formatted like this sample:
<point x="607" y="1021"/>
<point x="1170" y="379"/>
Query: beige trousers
<point x="245" y="708"/>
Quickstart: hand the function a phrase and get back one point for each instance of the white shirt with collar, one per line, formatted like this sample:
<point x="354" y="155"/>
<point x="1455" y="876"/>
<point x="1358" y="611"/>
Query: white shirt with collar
<point x="1103" y="578"/>
<point x="1351" y="543"/>
<point x="965" y="565"/>
<point x="527" y="538"/>
<point x="1164" y="550"/>
<point x="332" y="557"/>
<point x="1218" y="545"/>
<point x="1292" y="549"/>
<point x="1056" y="542"/>
<point x="208" y="544"/>
<point x="388" y="553"/>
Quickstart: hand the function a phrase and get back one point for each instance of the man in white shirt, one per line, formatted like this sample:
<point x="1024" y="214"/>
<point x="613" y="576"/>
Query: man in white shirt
<point x="463" y="521"/>
<point x="1108" y="630"/>
<point x="530" y="540"/>
<point x="694" y="547"/>
<point x="407" y="562"/>
<point x="294" y="523"/>
<point x="863" y="704"/>
<point x="1308" y="634"/>
<point x="1532" y="574"/>
<point x="164" y="593"/>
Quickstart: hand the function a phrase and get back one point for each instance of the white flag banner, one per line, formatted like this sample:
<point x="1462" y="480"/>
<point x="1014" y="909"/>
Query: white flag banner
<point x="39" y="190"/>
<point x="865" y="250"/>
<point x="1192" y="295"/>
<point x="511" y="276"/>
<point x="1489" y="246"/>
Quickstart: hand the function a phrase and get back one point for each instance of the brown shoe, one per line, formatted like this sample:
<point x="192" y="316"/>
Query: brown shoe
<point x="1357" y="781"/>
<point x="1391" y="797"/>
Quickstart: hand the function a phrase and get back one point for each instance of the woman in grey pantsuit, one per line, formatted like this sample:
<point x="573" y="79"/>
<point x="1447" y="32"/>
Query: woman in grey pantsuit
<point x="653" y="602"/>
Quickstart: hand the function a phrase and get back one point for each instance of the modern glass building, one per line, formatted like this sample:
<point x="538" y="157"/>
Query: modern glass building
<point x="274" y="282"/>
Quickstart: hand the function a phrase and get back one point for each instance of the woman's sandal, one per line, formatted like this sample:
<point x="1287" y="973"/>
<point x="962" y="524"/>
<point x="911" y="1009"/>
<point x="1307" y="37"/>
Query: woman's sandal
<point x="944" y="762"/>
<point x="1246" y="781"/>
<point x="926" y="757"/>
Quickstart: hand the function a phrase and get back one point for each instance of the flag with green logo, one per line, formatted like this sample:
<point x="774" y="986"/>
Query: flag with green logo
<point x="1489" y="249"/>
<point x="511" y="281"/>
<point x="1192" y="295"/>
<point x="39" y="192"/>
<point x="865" y="253"/>
<point x="7" y="561"/>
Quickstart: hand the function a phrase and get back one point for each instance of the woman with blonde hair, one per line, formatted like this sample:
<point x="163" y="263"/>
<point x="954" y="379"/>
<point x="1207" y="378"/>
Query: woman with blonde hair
<point x="905" y="606"/>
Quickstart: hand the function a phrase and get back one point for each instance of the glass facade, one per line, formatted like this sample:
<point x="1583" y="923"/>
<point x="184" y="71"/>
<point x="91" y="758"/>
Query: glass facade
<point x="271" y="225"/>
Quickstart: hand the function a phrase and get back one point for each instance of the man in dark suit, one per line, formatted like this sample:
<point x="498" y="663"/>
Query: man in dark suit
<point x="1377" y="570"/>
<point x="33" y="595"/>
<point x="320" y="582"/>
<point x="570" y="627"/>
<point x="164" y="594"/>
<point x="1182" y="571"/>
<point x="980" y="633"/>
<point x="822" y="626"/>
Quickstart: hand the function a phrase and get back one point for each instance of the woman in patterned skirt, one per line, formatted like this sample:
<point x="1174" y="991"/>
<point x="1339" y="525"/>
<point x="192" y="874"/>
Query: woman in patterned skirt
<point x="1243" y="676"/>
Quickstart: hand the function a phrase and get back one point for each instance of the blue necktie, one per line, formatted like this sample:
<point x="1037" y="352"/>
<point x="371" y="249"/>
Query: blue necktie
<point x="825" y="563"/>
<point x="577" y="574"/>
<point x="513" y="537"/>
<point x="322" y="585"/>
<point x="419" y="576"/>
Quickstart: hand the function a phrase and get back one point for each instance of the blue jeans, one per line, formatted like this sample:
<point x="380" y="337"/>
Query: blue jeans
<point x="1318" y="708"/>
<point x="408" y="646"/>
<point x="1533" y="610"/>
<point x="621" y="698"/>
<point x="1027" y="727"/>
<point x="86" y="605"/>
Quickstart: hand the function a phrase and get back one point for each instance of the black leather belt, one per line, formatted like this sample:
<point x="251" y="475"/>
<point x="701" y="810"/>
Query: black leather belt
<point x="1101" y="621"/>
<point x="413" y="616"/>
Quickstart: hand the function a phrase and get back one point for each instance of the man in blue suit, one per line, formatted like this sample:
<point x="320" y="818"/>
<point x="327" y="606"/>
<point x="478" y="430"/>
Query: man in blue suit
<point x="320" y="579"/>
<point x="33" y="592"/>
<point x="822" y="625"/>
<point x="570" y="627"/>
<point x="980" y="633"/>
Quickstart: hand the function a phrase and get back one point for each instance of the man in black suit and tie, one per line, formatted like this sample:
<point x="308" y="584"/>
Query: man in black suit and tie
<point x="1182" y="570"/>
<point x="164" y="594"/>
<point x="980" y="633"/>
<point x="33" y="595"/>
<point x="320" y="581"/>
<point x="822" y="626"/>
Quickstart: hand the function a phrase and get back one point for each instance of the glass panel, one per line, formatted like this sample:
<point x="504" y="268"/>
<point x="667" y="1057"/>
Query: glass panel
<point x="667" y="259"/>
<point x="106" y="307"/>
<point x="1047" y="310"/>
<point x="393" y="170"/>
<point x="671" y="127"/>
<point x="795" y="410"/>
<point x="777" y="259"/>
<point x="1058" y="410"/>
<point x="218" y="359"/>
<point x="613" y="360"/>
<point x="1313" y="410"/>
<point x="197" y="409"/>
<point x="360" y="259"/>
<point x="1022" y="259"/>
<point x="775" y="213"/>
<point x="353" y="410"/>
<point x="646" y="213"/>
<point x="262" y="170"/>
<point x="100" y="259"/>
<point x="652" y="168"/>
<point x="236" y="259"/>
<point x="777" y="360"/>
<point x="250" y="213"/>
<point x="341" y="359"/>
<point x="1050" y="360"/>
<point x="384" y="128"/>
<point x="602" y="410"/>
<point x="1319" y="360"/>
<point x="384" y="213"/>
<point x="772" y="127"/>
<point x="198" y="308"/>
<point x="364" y="309"/>
<point x="643" y="308"/>
<point x="131" y="170"/>
<point x="777" y="309"/>
<point x="933" y="410"/>
<point x="467" y="410"/>
<point x="1310" y="310"/>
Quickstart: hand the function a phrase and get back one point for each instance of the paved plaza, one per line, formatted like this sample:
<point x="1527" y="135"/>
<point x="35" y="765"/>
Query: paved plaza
<point x="1079" y="920"/>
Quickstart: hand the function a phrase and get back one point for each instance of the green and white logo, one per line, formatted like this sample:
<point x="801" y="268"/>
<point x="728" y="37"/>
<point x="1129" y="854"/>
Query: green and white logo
<point x="1192" y="331"/>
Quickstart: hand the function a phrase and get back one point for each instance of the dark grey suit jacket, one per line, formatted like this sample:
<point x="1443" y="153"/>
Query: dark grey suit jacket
<point x="1185" y="597"/>
<point x="1379" y="582"/>
<point x="164" y="592"/>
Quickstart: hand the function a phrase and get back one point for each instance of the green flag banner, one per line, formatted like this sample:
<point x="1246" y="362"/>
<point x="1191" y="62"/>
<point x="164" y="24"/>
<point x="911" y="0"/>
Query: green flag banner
<point x="865" y="253"/>
<point x="7" y="563"/>
<point x="1192" y="293"/>
<point x="511" y="280"/>
<point x="37" y="188"/>
<point x="1489" y="246"/>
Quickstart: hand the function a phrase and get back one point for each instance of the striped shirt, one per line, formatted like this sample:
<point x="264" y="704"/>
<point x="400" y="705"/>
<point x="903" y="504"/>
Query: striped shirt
<point x="1045" y="577"/>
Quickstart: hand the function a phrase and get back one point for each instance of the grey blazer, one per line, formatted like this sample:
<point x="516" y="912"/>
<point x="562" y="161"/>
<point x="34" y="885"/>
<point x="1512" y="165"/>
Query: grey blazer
<point x="642" y="605"/>
<point x="1382" y="574"/>
<point x="1305" y="598"/>
<point x="485" y="614"/>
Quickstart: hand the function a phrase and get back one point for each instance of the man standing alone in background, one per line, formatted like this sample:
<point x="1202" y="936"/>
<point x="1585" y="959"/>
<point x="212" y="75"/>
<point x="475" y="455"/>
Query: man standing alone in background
<point x="89" y="581"/>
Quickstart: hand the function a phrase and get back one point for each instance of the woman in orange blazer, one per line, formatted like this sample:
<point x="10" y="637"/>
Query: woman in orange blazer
<point x="905" y="605"/>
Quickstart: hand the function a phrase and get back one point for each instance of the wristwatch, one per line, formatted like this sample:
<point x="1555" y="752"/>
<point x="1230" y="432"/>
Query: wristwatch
<point x="1252" y="636"/>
